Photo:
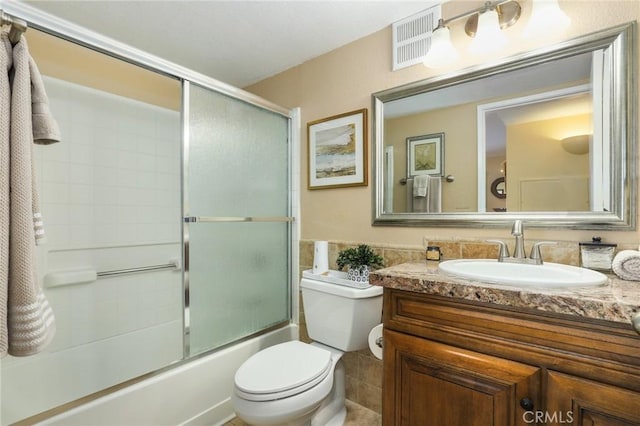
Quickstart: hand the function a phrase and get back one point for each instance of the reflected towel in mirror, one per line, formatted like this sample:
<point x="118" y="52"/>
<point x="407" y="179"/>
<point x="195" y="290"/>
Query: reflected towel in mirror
<point x="431" y="202"/>
<point x="421" y="186"/>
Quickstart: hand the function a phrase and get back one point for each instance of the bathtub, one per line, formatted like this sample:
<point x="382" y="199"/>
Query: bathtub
<point x="197" y="392"/>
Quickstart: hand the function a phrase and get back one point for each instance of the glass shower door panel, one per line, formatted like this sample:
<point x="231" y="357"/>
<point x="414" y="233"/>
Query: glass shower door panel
<point x="238" y="158"/>
<point x="237" y="168"/>
<point x="238" y="281"/>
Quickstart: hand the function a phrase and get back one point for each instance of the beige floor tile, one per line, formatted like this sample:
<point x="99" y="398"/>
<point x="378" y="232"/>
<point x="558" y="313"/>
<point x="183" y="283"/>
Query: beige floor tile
<point x="357" y="415"/>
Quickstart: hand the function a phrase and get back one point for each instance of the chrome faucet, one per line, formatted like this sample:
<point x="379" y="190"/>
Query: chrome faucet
<point x="517" y="230"/>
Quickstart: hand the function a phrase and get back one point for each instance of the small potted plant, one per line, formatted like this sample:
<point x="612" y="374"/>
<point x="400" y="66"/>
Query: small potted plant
<point x="359" y="260"/>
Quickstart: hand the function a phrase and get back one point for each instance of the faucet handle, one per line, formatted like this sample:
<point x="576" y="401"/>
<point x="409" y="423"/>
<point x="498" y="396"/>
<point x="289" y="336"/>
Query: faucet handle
<point x="535" y="250"/>
<point x="503" y="250"/>
<point x="517" y="228"/>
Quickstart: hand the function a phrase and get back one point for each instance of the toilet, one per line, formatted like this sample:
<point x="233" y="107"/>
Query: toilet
<point x="296" y="383"/>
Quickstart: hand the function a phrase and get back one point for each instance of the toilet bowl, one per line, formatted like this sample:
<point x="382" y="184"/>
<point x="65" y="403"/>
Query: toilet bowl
<point x="290" y="391"/>
<point x="296" y="383"/>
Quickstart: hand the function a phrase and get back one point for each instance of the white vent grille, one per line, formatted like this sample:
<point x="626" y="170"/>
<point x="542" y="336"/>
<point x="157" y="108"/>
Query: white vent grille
<point x="412" y="37"/>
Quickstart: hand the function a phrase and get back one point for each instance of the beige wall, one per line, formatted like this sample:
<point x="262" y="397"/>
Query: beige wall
<point x="343" y="80"/>
<point x="458" y="161"/>
<point x="71" y="62"/>
<point x="535" y="153"/>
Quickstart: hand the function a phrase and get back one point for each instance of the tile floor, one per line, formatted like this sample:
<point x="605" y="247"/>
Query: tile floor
<point x="357" y="415"/>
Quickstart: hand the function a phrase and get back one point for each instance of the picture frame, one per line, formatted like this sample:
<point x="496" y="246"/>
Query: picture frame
<point x="337" y="151"/>
<point x="425" y="155"/>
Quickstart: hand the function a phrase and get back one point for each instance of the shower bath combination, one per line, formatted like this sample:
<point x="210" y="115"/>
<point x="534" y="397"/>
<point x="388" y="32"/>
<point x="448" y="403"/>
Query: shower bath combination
<point x="153" y="252"/>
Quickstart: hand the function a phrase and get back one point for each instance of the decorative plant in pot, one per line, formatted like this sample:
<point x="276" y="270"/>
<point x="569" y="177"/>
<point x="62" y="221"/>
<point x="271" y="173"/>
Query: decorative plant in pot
<point x="359" y="260"/>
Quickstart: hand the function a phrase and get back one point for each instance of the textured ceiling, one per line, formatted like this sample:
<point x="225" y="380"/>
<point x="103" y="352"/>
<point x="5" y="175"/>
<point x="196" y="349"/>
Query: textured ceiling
<point x="237" y="42"/>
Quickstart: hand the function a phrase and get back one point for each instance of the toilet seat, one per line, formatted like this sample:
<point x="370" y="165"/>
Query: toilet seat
<point x="282" y="371"/>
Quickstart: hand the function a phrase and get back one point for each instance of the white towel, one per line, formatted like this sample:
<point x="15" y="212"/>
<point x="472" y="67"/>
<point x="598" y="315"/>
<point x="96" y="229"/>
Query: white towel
<point x="421" y="185"/>
<point x="626" y="265"/>
<point x="26" y="324"/>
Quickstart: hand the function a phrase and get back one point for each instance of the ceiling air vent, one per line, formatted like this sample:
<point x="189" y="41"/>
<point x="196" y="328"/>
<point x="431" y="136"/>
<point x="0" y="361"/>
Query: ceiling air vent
<point x="412" y="37"/>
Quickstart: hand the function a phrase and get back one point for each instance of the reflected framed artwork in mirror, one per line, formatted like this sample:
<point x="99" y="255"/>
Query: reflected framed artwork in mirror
<point x="528" y="111"/>
<point x="425" y="155"/>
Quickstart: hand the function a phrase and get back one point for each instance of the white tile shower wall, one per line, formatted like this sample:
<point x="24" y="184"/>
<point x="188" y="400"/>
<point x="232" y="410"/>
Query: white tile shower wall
<point x="116" y="305"/>
<point x="115" y="177"/>
<point x="110" y="194"/>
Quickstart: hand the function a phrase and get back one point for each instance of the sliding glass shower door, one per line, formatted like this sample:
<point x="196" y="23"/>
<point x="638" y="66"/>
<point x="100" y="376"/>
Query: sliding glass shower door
<point x="237" y="225"/>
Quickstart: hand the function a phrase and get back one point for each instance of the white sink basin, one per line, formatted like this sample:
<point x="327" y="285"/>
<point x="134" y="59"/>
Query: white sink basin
<point x="547" y="275"/>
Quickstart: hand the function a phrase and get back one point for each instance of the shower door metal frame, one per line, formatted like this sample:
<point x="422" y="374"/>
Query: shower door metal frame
<point x="71" y="32"/>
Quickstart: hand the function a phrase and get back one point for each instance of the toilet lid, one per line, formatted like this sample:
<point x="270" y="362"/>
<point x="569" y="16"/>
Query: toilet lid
<point x="290" y="367"/>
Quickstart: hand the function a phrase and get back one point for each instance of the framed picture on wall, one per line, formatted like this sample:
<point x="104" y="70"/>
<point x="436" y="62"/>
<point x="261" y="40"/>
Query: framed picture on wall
<point x="425" y="155"/>
<point x="337" y="148"/>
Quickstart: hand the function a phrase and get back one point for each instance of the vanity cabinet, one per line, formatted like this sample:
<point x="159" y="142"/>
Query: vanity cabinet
<point x="439" y="384"/>
<point x="455" y="362"/>
<point x="592" y="403"/>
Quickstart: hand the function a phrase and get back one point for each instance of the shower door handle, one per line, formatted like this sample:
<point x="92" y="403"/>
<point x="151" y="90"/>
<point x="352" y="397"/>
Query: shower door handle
<point x="211" y="219"/>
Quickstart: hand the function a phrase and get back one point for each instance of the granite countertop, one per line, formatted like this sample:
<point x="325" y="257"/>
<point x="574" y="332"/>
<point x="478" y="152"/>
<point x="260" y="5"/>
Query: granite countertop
<point x="617" y="300"/>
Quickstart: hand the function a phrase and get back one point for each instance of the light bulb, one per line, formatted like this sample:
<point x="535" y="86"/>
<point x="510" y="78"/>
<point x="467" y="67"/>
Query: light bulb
<point x="546" y="19"/>
<point x="489" y="36"/>
<point x="442" y="53"/>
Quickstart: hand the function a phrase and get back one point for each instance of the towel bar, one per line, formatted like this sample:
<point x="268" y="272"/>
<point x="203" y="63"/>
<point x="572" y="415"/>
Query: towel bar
<point x="447" y="178"/>
<point x="171" y="265"/>
<point x="18" y="26"/>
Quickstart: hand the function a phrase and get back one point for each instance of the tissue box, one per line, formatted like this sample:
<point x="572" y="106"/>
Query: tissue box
<point x="597" y="255"/>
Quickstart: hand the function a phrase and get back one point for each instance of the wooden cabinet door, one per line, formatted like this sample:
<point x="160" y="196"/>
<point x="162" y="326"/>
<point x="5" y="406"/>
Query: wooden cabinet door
<point x="430" y="383"/>
<point x="589" y="403"/>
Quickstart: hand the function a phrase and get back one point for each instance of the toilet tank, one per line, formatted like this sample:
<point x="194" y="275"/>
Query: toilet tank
<point x="337" y="315"/>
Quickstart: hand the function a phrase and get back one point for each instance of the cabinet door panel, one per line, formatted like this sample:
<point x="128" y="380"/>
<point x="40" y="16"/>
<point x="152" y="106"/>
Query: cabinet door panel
<point x="590" y="403"/>
<point x="429" y="383"/>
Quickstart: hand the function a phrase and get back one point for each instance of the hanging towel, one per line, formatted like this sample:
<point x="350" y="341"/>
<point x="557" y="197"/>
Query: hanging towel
<point x="45" y="132"/>
<point x="626" y="265"/>
<point x="45" y="127"/>
<point x="420" y="185"/>
<point x="431" y="201"/>
<point x="6" y="62"/>
<point x="434" y="204"/>
<point x="27" y="324"/>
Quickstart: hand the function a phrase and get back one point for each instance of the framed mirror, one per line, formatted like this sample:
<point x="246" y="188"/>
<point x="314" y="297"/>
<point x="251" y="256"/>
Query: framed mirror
<point x="563" y="118"/>
<point x="499" y="188"/>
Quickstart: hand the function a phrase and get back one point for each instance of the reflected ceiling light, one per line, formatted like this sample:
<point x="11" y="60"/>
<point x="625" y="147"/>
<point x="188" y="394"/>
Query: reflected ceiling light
<point x="545" y="15"/>
<point x="442" y="53"/>
<point x="577" y="145"/>
<point x="484" y="24"/>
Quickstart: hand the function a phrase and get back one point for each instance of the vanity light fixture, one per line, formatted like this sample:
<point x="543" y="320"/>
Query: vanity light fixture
<point x="485" y="25"/>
